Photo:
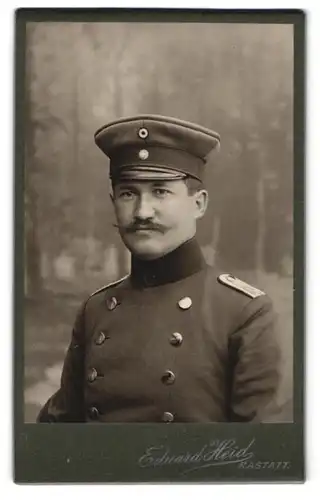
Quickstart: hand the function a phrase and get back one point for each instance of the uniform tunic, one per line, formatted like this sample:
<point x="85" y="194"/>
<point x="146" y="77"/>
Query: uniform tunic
<point x="169" y="343"/>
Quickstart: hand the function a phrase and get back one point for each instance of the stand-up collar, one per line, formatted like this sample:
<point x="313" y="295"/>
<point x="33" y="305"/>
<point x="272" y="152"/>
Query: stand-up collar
<point x="182" y="262"/>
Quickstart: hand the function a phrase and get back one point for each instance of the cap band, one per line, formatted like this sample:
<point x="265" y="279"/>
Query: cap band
<point x="151" y="158"/>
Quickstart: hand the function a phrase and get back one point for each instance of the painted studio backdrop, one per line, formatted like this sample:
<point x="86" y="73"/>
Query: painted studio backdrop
<point x="234" y="78"/>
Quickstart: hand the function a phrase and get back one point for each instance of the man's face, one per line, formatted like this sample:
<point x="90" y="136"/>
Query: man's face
<point x="155" y="217"/>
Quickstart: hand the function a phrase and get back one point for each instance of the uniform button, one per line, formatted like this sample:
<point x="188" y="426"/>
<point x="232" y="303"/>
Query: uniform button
<point x="143" y="154"/>
<point x="185" y="303"/>
<point x="112" y="303"/>
<point x="167" y="417"/>
<point x="168" y="377"/>
<point x="92" y="375"/>
<point x="93" y="413"/>
<point x="101" y="338"/>
<point x="176" y="339"/>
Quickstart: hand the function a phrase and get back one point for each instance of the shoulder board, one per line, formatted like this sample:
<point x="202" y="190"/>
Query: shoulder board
<point x="110" y="285"/>
<point x="241" y="286"/>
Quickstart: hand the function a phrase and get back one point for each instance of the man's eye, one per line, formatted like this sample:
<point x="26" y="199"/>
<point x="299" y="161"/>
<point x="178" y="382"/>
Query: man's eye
<point x="126" y="195"/>
<point x="161" y="192"/>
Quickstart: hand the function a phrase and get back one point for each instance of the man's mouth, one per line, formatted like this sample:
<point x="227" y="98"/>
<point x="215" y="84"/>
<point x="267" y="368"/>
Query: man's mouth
<point x="145" y="229"/>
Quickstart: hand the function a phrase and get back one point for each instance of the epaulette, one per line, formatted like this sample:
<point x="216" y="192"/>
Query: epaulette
<point x="241" y="286"/>
<point x="110" y="285"/>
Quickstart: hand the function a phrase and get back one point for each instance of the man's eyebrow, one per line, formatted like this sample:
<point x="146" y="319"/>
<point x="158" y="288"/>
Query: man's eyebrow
<point x="125" y="185"/>
<point x="161" y="184"/>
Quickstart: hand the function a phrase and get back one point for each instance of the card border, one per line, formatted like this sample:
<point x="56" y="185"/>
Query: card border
<point x="67" y="460"/>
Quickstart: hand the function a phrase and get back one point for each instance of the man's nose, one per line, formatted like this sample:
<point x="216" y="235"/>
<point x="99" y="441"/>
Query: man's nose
<point x="144" y="208"/>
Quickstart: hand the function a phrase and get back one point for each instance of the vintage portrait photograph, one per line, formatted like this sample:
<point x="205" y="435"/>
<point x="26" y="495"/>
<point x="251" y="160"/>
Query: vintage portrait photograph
<point x="158" y="216"/>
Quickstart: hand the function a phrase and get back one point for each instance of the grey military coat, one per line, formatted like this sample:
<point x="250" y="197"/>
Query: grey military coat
<point x="173" y="342"/>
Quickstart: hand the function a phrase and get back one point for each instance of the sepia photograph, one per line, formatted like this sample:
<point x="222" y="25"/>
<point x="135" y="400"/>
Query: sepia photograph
<point x="158" y="215"/>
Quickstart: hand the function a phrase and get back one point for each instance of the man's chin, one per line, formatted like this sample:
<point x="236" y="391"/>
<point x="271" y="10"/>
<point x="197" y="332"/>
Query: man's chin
<point x="146" y="250"/>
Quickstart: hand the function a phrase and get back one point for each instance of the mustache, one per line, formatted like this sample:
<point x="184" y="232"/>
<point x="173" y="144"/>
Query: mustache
<point x="135" y="226"/>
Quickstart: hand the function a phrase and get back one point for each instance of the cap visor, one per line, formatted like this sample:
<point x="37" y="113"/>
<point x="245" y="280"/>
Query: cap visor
<point x="149" y="173"/>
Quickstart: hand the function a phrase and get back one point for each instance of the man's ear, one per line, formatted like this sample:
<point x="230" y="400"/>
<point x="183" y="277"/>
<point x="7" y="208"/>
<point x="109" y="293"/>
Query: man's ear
<point x="112" y="198"/>
<point x="201" y="200"/>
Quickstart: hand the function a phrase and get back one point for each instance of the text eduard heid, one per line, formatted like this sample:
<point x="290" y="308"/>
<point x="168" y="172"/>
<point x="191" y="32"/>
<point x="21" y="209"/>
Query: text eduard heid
<point x="214" y="453"/>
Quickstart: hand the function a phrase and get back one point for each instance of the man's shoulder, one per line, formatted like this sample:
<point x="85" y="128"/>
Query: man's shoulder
<point x="110" y="286"/>
<point x="228" y="295"/>
<point x="232" y="288"/>
<point x="234" y="283"/>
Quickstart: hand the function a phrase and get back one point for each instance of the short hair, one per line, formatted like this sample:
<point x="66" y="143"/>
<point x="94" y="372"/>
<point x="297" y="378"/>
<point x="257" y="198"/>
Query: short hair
<point x="193" y="184"/>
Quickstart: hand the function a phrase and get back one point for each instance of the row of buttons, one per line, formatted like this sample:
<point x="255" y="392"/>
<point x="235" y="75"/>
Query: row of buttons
<point x="94" y="414"/>
<point x="184" y="303"/>
<point x="167" y="378"/>
<point x="175" y="339"/>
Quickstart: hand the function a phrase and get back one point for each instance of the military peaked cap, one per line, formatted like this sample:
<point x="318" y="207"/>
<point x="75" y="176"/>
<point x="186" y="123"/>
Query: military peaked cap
<point x="153" y="147"/>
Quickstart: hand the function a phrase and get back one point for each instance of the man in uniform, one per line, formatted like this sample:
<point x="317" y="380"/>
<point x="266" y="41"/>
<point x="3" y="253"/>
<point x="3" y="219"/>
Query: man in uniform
<point x="176" y="340"/>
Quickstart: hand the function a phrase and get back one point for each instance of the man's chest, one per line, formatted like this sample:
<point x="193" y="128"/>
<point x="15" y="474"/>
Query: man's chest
<point x="161" y="343"/>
